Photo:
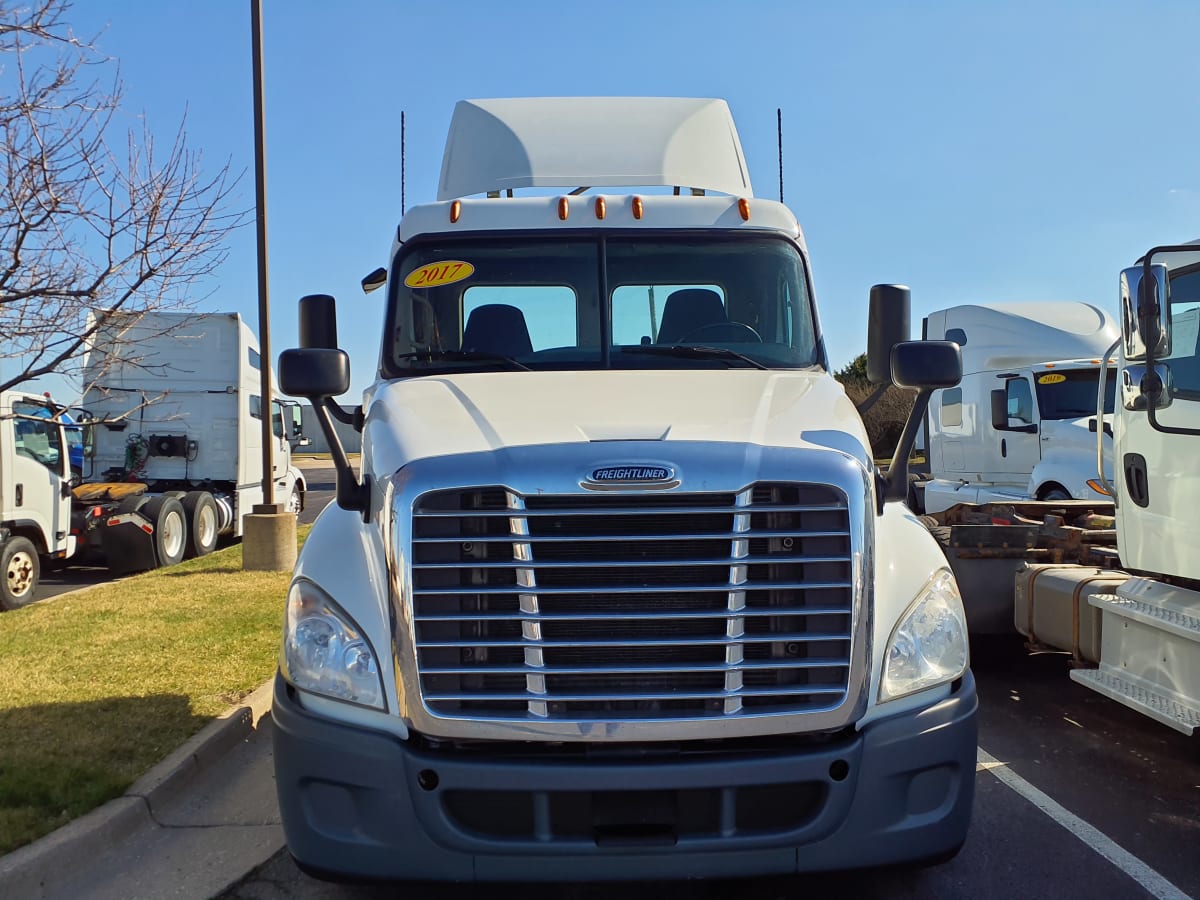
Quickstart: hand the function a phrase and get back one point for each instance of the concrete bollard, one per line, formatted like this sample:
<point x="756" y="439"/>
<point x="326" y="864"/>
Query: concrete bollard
<point x="269" y="539"/>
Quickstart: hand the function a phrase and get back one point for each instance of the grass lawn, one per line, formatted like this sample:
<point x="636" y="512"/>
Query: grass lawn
<point x="101" y="685"/>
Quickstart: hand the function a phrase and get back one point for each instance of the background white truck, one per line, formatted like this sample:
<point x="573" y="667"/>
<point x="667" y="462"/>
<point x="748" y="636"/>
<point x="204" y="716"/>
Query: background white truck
<point x="173" y="450"/>
<point x="1129" y="614"/>
<point x="619" y="592"/>
<point x="1022" y="424"/>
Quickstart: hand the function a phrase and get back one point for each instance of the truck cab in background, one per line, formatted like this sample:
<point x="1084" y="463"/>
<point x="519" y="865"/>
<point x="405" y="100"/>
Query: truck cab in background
<point x="35" y="496"/>
<point x="1022" y="424"/>
<point x="618" y="592"/>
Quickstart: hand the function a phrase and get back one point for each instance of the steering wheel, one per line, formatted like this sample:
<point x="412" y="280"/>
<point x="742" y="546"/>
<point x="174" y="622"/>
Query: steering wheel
<point x="724" y="332"/>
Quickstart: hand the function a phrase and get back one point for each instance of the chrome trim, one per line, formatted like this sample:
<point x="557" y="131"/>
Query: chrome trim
<point x="731" y="470"/>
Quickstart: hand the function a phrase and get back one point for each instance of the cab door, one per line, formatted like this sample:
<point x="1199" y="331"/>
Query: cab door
<point x="1018" y="445"/>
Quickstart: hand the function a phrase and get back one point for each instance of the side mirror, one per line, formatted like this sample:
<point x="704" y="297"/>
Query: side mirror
<point x="375" y="280"/>
<point x="887" y="326"/>
<point x="926" y="365"/>
<point x="1144" y="305"/>
<point x="999" y="409"/>
<point x="1141" y="387"/>
<point x="314" y="372"/>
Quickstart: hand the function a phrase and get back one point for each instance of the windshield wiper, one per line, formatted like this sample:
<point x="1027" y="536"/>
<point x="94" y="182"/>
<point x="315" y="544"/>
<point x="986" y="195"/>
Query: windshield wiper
<point x="462" y="356"/>
<point x="689" y="351"/>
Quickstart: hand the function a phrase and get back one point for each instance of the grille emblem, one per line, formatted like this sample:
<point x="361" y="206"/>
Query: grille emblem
<point x="651" y="476"/>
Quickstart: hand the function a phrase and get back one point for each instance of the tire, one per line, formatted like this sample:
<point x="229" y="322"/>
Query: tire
<point x="200" y="512"/>
<point x="170" y="529"/>
<point x="22" y="568"/>
<point x="1055" y="493"/>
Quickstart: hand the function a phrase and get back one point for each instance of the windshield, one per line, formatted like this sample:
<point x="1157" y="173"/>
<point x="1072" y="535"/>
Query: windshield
<point x="513" y="302"/>
<point x="1071" y="394"/>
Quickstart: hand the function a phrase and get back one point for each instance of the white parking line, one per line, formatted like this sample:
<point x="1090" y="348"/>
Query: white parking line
<point x="1089" y="834"/>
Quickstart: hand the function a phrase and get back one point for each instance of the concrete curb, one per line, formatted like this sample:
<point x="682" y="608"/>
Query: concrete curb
<point x="25" y="871"/>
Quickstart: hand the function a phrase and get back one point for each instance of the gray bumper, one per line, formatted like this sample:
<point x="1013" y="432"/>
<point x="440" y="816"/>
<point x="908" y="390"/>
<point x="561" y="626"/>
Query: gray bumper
<point x="367" y="805"/>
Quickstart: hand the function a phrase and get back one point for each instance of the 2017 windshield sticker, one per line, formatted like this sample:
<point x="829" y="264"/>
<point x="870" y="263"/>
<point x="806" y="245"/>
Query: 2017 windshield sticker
<point x="436" y="274"/>
<point x="1052" y="378"/>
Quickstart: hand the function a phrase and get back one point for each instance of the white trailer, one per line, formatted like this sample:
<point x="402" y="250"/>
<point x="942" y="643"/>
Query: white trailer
<point x="618" y="592"/>
<point x="175" y="405"/>
<point x="1022" y="424"/>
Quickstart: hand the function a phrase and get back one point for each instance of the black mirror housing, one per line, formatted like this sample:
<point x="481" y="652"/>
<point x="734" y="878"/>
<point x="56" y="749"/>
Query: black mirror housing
<point x="926" y="365"/>
<point x="314" y="372"/>
<point x="887" y="326"/>
<point x="999" y="399"/>
<point x="318" y="321"/>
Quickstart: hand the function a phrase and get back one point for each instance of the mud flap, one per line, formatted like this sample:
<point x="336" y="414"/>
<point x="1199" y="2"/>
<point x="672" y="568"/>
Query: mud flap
<point x="128" y="541"/>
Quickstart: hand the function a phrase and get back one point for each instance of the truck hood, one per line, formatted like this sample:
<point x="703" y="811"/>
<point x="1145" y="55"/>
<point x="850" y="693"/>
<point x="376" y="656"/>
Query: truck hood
<point x="478" y="412"/>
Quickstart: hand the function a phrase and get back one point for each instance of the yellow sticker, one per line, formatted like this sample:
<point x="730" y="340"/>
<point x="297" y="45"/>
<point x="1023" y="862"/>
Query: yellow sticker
<point x="436" y="274"/>
<point x="1052" y="378"/>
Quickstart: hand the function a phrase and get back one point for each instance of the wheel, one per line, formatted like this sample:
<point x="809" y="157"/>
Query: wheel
<point x="170" y="529"/>
<point x="200" y="512"/>
<point x="725" y="332"/>
<point x="294" y="503"/>
<point x="1055" y="493"/>
<point x="19" y="559"/>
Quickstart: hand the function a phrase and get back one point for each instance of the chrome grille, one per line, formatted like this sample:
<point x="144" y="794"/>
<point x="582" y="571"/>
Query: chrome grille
<point x="633" y="606"/>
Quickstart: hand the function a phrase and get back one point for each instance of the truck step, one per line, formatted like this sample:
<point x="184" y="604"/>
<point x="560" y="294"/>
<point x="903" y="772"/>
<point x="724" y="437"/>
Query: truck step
<point x="1178" y="622"/>
<point x="1164" y="708"/>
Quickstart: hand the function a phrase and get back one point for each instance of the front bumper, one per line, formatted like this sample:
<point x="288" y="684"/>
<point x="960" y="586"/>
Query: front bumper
<point x="363" y="804"/>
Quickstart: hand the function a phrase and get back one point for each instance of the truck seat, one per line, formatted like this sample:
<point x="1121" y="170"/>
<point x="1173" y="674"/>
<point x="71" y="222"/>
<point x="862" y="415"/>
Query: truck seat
<point x="497" y="328"/>
<point x="689" y="310"/>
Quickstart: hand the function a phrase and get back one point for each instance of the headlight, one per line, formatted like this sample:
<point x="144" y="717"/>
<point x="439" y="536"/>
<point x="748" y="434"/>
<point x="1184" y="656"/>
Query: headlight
<point x="929" y="646"/>
<point x="325" y="652"/>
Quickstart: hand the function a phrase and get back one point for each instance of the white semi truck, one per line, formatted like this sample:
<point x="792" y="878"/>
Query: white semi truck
<point x="1149" y="628"/>
<point x="1022" y="424"/>
<point x="1129" y="615"/>
<point x="173" y="455"/>
<point x="618" y="592"/>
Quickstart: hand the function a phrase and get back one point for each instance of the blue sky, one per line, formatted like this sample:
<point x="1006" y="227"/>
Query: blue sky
<point x="975" y="151"/>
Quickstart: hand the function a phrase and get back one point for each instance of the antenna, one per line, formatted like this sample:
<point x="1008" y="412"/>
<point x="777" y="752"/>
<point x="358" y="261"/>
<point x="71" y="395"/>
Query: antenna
<point x="402" y="163"/>
<point x="779" y="132"/>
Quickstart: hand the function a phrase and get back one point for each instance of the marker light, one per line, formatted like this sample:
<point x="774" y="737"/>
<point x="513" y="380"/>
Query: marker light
<point x="637" y="207"/>
<point x="563" y="208"/>
<point x="600" y="210"/>
<point x="455" y="211"/>
<point x="1097" y="486"/>
<point x="744" y="209"/>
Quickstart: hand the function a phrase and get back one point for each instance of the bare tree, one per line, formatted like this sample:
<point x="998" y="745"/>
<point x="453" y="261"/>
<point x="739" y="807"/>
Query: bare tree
<point x="92" y="218"/>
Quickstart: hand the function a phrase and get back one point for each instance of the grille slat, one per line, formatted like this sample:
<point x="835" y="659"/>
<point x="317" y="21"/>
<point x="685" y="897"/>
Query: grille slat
<point x="711" y="587"/>
<point x="665" y="642"/>
<point x="747" y="665"/>
<point x="620" y="563"/>
<point x="573" y="608"/>
<point x="721" y="614"/>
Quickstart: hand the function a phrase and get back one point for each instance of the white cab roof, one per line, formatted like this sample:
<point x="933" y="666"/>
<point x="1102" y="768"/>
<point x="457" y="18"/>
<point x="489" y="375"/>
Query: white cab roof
<point x="570" y="142"/>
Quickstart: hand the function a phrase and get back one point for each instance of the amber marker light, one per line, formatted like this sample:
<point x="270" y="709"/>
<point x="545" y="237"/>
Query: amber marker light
<point x="744" y="209"/>
<point x="1097" y="487"/>
<point x="563" y="208"/>
<point x="600" y="208"/>
<point x="637" y="207"/>
<point x="455" y="211"/>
